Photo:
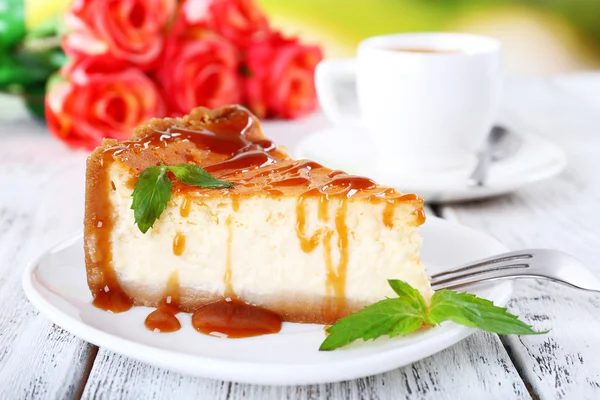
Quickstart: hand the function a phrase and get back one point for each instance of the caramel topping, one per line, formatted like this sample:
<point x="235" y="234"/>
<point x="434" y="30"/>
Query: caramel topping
<point x="299" y="181"/>
<point x="235" y="203"/>
<point x="388" y="215"/>
<point x="235" y="319"/>
<point x="330" y="273"/>
<point x="420" y="214"/>
<point x="307" y="242"/>
<point x="228" y="144"/>
<point x="160" y="321"/>
<point x="228" y="292"/>
<point x="242" y="162"/>
<point x="163" y="318"/>
<point x="178" y="244"/>
<point x="108" y="295"/>
<point x="338" y="280"/>
<point x="184" y="209"/>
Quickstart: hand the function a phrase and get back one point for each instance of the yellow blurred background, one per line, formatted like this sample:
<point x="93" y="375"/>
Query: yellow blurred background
<point x="540" y="37"/>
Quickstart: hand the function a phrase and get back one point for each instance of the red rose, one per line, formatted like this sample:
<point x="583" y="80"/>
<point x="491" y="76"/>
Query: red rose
<point x="130" y="30"/>
<point x="279" y="78"/>
<point x="199" y="68"/>
<point x="103" y="99"/>
<point x="239" y="21"/>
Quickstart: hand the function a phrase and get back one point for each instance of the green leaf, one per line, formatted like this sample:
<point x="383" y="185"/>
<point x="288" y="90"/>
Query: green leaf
<point x="150" y="196"/>
<point x="12" y="72"/>
<point x="408" y="312"/>
<point x="191" y="174"/>
<point x="153" y="190"/>
<point x="404" y="290"/>
<point x="470" y="310"/>
<point x="12" y="22"/>
<point x="34" y="100"/>
<point x="392" y="317"/>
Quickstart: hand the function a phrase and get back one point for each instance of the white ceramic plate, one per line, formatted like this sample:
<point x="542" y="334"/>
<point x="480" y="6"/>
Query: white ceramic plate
<point x="537" y="159"/>
<point x="56" y="284"/>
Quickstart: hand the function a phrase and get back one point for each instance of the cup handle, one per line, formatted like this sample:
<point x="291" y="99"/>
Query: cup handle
<point x="327" y="74"/>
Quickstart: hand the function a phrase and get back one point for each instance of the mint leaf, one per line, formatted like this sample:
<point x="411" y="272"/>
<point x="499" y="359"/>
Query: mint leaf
<point x="392" y="317"/>
<point x="404" y="290"/>
<point x="150" y="196"/>
<point x="470" y="310"/>
<point x="408" y="312"/>
<point x="153" y="190"/>
<point x="191" y="174"/>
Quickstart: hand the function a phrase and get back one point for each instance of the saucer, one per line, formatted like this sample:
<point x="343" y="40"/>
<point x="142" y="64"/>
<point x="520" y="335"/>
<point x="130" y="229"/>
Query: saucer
<point x="536" y="159"/>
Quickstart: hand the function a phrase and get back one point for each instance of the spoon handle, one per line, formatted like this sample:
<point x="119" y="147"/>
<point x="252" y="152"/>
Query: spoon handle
<point x="479" y="174"/>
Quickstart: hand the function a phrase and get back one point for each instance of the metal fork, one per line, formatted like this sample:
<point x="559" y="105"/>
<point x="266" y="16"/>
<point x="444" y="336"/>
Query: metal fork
<point x="553" y="265"/>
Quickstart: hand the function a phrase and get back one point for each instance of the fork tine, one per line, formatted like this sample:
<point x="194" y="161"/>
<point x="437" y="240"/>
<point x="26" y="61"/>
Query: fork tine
<point x="547" y="264"/>
<point x="479" y="274"/>
<point x="502" y="258"/>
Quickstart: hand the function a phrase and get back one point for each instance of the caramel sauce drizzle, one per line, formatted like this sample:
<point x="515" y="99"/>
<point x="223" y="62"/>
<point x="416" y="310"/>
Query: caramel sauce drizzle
<point x="108" y="295"/>
<point x="235" y="319"/>
<point x="388" y="214"/>
<point x="307" y="242"/>
<point x="230" y="146"/>
<point x="330" y="276"/>
<point x="228" y="292"/>
<point x="163" y="319"/>
<point x="339" y="279"/>
<point x="184" y="208"/>
<point x="178" y="244"/>
<point x="420" y="214"/>
<point x="235" y="204"/>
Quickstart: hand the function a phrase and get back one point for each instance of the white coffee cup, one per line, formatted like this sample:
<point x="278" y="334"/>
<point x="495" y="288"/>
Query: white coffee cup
<point x="428" y="100"/>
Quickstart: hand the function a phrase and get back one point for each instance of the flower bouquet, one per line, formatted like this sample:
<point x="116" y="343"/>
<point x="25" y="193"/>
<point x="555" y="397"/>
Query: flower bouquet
<point x="131" y="60"/>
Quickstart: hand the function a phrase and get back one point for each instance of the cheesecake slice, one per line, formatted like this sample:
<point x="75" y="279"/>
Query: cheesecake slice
<point x="305" y="242"/>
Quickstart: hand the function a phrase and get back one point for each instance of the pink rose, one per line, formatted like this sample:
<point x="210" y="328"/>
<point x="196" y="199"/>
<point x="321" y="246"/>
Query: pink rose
<point x="103" y="99"/>
<point x="199" y="68"/>
<point x="130" y="30"/>
<point x="239" y="21"/>
<point x="279" y="79"/>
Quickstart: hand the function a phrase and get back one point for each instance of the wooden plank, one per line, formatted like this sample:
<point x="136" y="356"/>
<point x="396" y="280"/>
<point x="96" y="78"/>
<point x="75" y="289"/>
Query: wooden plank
<point x="562" y="213"/>
<point x="478" y="367"/>
<point x="37" y="358"/>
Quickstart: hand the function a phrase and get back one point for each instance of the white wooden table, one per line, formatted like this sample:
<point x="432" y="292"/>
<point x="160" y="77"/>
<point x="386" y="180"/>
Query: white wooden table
<point x="41" y="202"/>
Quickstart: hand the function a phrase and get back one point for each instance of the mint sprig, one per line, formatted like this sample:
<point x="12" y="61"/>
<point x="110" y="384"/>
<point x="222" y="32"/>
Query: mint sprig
<point x="153" y="190"/>
<point x="150" y="197"/>
<point x="408" y="312"/>
<point x="470" y="310"/>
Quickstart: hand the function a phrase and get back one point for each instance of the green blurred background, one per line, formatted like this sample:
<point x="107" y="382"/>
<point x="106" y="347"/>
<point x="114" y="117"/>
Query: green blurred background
<point x="540" y="37"/>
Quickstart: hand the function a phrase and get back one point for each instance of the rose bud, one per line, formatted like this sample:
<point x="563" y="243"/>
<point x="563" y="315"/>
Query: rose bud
<point x="279" y="77"/>
<point x="239" y="21"/>
<point x="130" y="30"/>
<point x="101" y="100"/>
<point x="199" y="68"/>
